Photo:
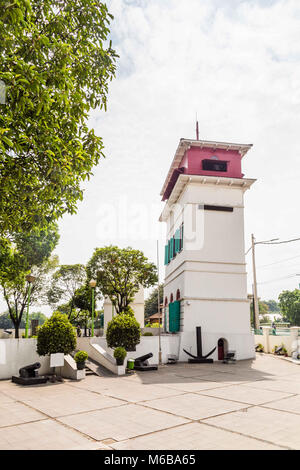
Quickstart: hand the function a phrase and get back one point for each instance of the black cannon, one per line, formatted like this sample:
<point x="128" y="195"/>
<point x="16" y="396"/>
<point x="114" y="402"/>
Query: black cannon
<point x="29" y="375"/>
<point x="199" y="359"/>
<point x="142" y="363"/>
<point x="229" y="357"/>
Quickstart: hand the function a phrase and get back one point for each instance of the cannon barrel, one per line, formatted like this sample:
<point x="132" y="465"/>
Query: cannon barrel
<point x="28" y="371"/>
<point x="144" y="358"/>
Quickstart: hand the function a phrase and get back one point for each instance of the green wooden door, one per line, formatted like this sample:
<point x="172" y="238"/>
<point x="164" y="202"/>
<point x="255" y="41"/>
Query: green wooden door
<point x="174" y="316"/>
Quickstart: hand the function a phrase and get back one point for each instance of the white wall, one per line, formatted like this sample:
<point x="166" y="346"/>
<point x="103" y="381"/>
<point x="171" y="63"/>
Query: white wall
<point x="17" y="353"/>
<point x="169" y="345"/>
<point x="4" y="335"/>
<point x="212" y="277"/>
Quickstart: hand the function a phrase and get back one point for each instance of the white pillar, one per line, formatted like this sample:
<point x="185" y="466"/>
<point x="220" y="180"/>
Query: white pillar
<point x="294" y="340"/>
<point x="266" y="343"/>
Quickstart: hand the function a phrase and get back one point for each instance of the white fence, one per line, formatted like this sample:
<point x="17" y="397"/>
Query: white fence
<point x="269" y="338"/>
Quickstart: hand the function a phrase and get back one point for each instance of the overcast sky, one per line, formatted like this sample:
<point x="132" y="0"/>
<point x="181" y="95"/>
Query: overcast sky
<point x="237" y="64"/>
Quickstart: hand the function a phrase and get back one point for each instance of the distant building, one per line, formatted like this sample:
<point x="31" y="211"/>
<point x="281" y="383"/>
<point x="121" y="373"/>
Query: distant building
<point x="156" y="317"/>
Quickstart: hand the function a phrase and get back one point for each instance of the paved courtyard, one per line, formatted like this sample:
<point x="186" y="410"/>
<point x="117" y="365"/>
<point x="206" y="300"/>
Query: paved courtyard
<point x="248" y="405"/>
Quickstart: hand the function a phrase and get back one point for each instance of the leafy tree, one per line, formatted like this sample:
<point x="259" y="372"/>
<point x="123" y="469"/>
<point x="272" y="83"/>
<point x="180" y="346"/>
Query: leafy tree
<point x="273" y="306"/>
<point x="82" y="319"/>
<point x="289" y="303"/>
<point x="56" y="62"/>
<point x="24" y="254"/>
<point x="83" y="297"/>
<point x="38" y="316"/>
<point x="15" y="292"/>
<point x="120" y="272"/>
<point x="6" y="322"/>
<point x="263" y="312"/>
<point x="65" y="282"/>
<point x="56" y="335"/>
<point x="151" y="304"/>
<point x="63" y="308"/>
<point x="123" y="331"/>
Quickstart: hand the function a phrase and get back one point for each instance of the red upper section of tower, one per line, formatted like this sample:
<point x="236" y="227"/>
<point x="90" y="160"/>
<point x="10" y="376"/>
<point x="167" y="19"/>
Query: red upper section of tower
<point x="195" y="157"/>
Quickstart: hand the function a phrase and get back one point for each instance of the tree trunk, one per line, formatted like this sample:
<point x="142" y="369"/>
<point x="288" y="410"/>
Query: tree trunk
<point x="16" y="330"/>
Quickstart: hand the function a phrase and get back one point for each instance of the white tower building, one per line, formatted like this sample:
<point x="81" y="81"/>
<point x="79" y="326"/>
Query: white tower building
<point x="206" y="279"/>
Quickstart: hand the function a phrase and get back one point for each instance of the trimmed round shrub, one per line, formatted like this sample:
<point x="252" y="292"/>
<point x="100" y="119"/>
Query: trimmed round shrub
<point x="81" y="356"/>
<point x="123" y="330"/>
<point x="120" y="353"/>
<point x="56" y="335"/>
<point x="148" y="333"/>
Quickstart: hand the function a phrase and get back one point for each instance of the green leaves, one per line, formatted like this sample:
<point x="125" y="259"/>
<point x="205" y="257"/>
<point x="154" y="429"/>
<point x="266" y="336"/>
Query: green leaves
<point x="56" y="66"/>
<point x="56" y="335"/>
<point x="289" y="303"/>
<point x="120" y="273"/>
<point x="26" y="252"/>
<point x="65" y="283"/>
<point x="123" y="331"/>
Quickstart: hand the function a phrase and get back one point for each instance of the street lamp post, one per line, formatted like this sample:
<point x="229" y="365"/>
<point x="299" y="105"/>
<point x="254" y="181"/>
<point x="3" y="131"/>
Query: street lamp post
<point x="30" y="279"/>
<point x="93" y="285"/>
<point x="255" y="297"/>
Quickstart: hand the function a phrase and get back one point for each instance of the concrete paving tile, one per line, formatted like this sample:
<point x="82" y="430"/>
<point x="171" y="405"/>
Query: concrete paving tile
<point x="167" y="399"/>
<point x="17" y="392"/>
<point x="12" y="413"/>
<point x="240" y="393"/>
<point x="121" y="423"/>
<point x="194" y="406"/>
<point x="279" y="384"/>
<point x="291" y="404"/>
<point x="69" y="400"/>
<point x="184" y="384"/>
<point x="44" y="435"/>
<point x="292" y="377"/>
<point x="192" y="385"/>
<point x="278" y="427"/>
<point x="193" y="436"/>
<point x="5" y="398"/>
<point x="273" y="366"/>
<point x="131" y="391"/>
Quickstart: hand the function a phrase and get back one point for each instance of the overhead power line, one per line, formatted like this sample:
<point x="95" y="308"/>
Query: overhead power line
<point x="278" y="262"/>
<point x="278" y="279"/>
<point x="279" y="243"/>
<point x="272" y="243"/>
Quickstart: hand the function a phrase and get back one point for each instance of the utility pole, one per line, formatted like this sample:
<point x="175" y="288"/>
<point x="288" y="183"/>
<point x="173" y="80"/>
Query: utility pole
<point x="255" y="303"/>
<point x="158" y="306"/>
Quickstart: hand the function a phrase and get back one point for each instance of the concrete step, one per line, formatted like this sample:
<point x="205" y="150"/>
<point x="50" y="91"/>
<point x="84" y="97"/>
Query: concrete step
<point x="97" y="369"/>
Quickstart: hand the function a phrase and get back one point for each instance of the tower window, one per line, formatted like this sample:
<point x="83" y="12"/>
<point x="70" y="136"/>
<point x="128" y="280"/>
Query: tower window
<point x="214" y="165"/>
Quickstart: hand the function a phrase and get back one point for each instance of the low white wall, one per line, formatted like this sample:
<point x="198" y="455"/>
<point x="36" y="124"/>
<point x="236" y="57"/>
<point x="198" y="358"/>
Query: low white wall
<point x="4" y="335"/>
<point x="291" y="342"/>
<point x="69" y="369"/>
<point x="169" y="345"/>
<point x="17" y="353"/>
